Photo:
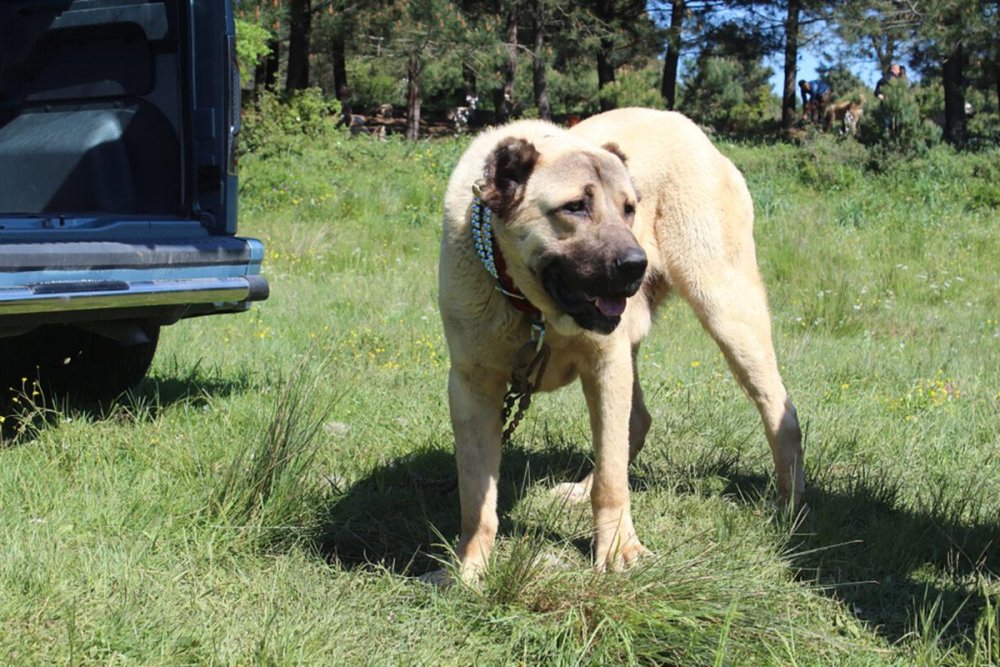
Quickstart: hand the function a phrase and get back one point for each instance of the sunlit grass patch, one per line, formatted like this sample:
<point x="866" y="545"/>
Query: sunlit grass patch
<point x="271" y="492"/>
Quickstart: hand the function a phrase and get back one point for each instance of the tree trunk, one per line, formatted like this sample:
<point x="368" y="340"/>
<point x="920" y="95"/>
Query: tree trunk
<point x="413" y="97"/>
<point x="503" y="97"/>
<point x="539" y="76"/>
<point x="339" y="56"/>
<point x="996" y="80"/>
<point x="469" y="80"/>
<point x="671" y="59"/>
<point x="954" y="97"/>
<point x="788" y="114"/>
<point x="266" y="73"/>
<point x="996" y="57"/>
<point x="605" y="54"/>
<point x="605" y="73"/>
<point x="300" y="24"/>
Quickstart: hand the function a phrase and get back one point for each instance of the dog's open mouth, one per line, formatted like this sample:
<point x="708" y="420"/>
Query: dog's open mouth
<point x="597" y="308"/>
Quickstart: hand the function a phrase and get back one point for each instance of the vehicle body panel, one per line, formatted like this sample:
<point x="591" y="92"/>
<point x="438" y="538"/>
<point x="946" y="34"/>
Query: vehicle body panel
<point x="118" y="179"/>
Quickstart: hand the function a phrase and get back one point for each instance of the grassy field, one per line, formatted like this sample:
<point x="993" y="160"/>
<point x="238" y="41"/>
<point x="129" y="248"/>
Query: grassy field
<point x="271" y="492"/>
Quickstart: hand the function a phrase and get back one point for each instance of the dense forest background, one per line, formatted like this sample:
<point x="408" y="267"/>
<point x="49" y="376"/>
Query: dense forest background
<point x="418" y="61"/>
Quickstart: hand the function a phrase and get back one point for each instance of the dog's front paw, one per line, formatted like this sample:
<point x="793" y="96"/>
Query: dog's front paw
<point x="617" y="549"/>
<point x="617" y="560"/>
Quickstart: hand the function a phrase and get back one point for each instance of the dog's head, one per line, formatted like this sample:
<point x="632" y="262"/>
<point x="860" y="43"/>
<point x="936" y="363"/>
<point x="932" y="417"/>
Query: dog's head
<point x="565" y="212"/>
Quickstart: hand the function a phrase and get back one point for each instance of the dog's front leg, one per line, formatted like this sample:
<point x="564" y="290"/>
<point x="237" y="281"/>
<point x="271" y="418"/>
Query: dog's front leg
<point x="607" y="386"/>
<point x="475" y="400"/>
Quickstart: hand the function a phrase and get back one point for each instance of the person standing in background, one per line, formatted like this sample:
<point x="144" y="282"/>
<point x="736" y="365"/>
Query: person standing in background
<point x="896" y="71"/>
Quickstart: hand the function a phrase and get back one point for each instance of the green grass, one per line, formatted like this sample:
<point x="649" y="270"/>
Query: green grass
<point x="271" y="492"/>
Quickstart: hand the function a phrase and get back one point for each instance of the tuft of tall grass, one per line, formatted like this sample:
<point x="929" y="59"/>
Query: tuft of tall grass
<point x="680" y="608"/>
<point x="986" y="636"/>
<point x="269" y="490"/>
<point x="691" y="604"/>
<point x="526" y="557"/>
<point x="22" y="410"/>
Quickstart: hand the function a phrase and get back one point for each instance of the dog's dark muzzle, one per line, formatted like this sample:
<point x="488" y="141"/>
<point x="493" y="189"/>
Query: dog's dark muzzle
<point x="593" y="293"/>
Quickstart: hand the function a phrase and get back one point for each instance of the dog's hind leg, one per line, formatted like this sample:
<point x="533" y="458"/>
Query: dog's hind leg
<point x="475" y="404"/>
<point x="639" y="422"/>
<point x="639" y="419"/>
<point x="729" y="299"/>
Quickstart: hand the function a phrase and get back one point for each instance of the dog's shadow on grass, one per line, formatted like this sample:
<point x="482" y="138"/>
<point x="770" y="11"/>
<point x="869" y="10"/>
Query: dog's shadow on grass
<point x="396" y="515"/>
<point x="857" y="540"/>
<point x="886" y="562"/>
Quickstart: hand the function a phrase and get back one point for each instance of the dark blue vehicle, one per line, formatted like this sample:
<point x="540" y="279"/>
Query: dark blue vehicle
<point x="118" y="124"/>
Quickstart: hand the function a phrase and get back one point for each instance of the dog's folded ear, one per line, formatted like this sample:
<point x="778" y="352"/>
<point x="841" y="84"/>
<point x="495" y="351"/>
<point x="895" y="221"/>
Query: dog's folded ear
<point x="507" y="170"/>
<point x="615" y="150"/>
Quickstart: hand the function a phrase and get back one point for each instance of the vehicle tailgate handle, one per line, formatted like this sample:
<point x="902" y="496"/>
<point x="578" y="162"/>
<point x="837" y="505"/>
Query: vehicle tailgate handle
<point x="80" y="286"/>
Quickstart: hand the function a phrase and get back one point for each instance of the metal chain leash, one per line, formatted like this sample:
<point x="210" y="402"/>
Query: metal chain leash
<point x="525" y="380"/>
<point x="533" y="356"/>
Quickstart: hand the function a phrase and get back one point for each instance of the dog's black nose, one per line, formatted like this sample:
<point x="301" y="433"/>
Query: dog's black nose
<point x="631" y="265"/>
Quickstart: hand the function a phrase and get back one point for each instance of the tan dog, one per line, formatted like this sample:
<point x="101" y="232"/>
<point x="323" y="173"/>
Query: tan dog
<point x="596" y="247"/>
<point x="846" y="114"/>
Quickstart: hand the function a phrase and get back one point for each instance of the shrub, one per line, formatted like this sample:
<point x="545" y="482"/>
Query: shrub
<point x="831" y="163"/>
<point x="573" y="90"/>
<point x="284" y="124"/>
<point x="984" y="130"/>
<point x="728" y="96"/>
<point x="895" y="129"/>
<point x="252" y="44"/>
<point x="984" y="183"/>
<point x="374" y="82"/>
<point x="930" y="99"/>
<point x="636" y="88"/>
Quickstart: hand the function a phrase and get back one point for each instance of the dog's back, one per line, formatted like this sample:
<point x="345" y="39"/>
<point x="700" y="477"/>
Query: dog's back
<point x="693" y="203"/>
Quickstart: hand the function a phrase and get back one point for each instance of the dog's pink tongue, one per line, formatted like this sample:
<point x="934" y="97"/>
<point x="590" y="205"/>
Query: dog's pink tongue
<point x="611" y="306"/>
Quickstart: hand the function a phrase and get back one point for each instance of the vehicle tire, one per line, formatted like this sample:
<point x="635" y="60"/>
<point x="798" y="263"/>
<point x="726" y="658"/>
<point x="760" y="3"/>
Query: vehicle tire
<point x="73" y="363"/>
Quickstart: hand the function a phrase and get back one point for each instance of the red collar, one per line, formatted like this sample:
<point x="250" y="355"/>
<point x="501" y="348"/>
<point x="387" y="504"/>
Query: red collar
<point x="510" y="290"/>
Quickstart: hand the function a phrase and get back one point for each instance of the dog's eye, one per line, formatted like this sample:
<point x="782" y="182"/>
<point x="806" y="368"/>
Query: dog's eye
<point x="575" y="206"/>
<point x="629" y="210"/>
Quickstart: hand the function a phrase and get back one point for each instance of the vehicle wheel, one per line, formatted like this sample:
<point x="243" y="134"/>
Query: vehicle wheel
<point x="73" y="363"/>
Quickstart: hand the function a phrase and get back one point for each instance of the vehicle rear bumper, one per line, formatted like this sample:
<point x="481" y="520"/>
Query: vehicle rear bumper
<point x="224" y="293"/>
<point x="206" y="273"/>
